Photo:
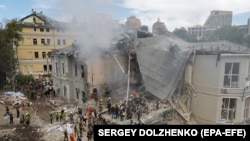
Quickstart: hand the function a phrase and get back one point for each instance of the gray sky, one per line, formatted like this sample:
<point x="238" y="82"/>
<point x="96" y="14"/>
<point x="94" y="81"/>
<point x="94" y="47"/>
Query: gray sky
<point x="174" y="13"/>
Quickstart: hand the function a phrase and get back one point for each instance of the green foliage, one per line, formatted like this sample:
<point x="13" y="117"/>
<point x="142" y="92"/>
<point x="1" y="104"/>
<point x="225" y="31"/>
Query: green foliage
<point x="183" y="34"/>
<point x="9" y="35"/>
<point x="230" y="33"/>
<point x="13" y="30"/>
<point x="22" y="79"/>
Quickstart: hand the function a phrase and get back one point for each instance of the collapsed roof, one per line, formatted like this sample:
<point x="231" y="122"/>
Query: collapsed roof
<point x="162" y="60"/>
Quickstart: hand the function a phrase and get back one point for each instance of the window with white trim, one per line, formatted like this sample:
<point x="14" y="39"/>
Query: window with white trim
<point x="228" y="109"/>
<point x="247" y="109"/>
<point x="231" y="75"/>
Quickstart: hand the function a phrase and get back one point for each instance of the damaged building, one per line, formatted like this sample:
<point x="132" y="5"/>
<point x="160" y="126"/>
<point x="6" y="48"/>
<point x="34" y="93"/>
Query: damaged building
<point x="207" y="82"/>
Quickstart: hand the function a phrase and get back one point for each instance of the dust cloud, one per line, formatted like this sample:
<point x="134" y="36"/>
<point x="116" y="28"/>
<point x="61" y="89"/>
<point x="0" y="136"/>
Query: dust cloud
<point x="92" y="22"/>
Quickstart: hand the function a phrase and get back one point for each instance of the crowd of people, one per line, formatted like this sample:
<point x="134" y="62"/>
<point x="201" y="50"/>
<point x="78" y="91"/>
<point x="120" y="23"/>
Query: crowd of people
<point x="83" y="119"/>
<point x="24" y="118"/>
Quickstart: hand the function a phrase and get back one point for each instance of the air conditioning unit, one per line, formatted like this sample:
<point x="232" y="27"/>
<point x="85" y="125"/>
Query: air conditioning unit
<point x="224" y="91"/>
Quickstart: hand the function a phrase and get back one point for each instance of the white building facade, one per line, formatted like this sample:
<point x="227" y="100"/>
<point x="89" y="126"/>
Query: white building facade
<point x="221" y="80"/>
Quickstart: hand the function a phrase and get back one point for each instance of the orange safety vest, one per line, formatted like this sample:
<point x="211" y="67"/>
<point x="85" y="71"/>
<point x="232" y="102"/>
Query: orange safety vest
<point x="71" y="137"/>
<point x="90" y="110"/>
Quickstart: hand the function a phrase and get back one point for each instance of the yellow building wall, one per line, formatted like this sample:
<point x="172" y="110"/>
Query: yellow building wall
<point x="27" y="62"/>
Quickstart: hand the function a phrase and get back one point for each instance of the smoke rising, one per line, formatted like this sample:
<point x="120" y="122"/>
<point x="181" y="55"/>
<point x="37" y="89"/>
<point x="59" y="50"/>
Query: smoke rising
<point x="92" y="22"/>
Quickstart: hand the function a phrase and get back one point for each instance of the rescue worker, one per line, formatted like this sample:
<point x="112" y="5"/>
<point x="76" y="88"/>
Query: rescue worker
<point x="94" y="116"/>
<point x="51" y="117"/>
<point x="89" y="135"/>
<point x="100" y="105"/>
<point x="89" y="112"/>
<point x="112" y="111"/>
<point x="80" y="129"/>
<point x="85" y="119"/>
<point x="17" y="112"/>
<point x="71" y="117"/>
<point x="76" y="130"/>
<point x="72" y="137"/>
<point x="57" y="115"/>
<point x="139" y="113"/>
<point x="21" y="119"/>
<point x="61" y="114"/>
<point x="7" y="111"/>
<point x="79" y="110"/>
<point x="64" y="118"/>
<point x="122" y="114"/>
<point x="11" y="118"/>
<point x="109" y="104"/>
<point x="78" y="138"/>
<point x="27" y="118"/>
<point x="65" y="135"/>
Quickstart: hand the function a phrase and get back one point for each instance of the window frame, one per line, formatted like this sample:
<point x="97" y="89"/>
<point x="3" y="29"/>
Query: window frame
<point x="231" y="75"/>
<point x="228" y="109"/>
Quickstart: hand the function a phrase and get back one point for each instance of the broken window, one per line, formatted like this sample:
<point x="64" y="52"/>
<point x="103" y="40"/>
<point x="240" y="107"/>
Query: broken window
<point x="231" y="75"/>
<point x="246" y="109"/>
<point x="228" y="109"/>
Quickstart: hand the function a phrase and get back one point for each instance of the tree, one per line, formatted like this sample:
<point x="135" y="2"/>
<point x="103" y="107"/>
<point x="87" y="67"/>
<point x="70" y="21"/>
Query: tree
<point x="9" y="36"/>
<point x="230" y="33"/>
<point x="183" y="34"/>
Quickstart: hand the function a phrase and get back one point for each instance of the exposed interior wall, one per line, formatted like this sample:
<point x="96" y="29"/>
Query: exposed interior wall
<point x="106" y="71"/>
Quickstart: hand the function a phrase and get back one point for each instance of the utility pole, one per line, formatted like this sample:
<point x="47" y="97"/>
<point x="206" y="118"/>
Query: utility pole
<point x="128" y="78"/>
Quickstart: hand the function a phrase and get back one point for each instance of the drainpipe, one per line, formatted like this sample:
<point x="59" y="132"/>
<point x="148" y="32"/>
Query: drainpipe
<point x="243" y="95"/>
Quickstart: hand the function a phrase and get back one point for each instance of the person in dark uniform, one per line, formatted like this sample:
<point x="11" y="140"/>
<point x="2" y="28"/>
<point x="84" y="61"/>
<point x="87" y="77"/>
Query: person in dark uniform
<point x="7" y="111"/>
<point x="11" y="118"/>
<point x="17" y="112"/>
<point x="65" y="135"/>
<point x="89" y="135"/>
